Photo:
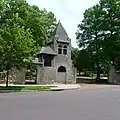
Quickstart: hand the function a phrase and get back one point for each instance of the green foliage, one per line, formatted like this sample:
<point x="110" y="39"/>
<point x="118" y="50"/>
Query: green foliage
<point x="16" y="46"/>
<point x="99" y="31"/>
<point x="39" y="22"/>
<point x="23" y="28"/>
<point x="81" y="60"/>
<point x="31" y="72"/>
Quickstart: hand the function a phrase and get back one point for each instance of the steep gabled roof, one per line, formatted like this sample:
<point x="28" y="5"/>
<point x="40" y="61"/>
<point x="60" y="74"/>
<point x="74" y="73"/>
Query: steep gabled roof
<point x="60" y="32"/>
<point x="47" y="50"/>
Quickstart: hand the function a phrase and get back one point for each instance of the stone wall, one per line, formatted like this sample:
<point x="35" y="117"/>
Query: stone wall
<point x="70" y="71"/>
<point x="15" y="76"/>
<point x="47" y="75"/>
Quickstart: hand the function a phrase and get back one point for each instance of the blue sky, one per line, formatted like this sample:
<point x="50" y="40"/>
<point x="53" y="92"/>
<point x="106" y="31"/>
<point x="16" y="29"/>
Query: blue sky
<point x="69" y="12"/>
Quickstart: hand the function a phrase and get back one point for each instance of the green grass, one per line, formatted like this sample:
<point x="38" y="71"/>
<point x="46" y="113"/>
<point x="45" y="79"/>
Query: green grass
<point x="25" y="88"/>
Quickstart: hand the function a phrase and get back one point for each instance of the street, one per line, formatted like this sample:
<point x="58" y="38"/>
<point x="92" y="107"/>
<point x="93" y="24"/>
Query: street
<point x="79" y="104"/>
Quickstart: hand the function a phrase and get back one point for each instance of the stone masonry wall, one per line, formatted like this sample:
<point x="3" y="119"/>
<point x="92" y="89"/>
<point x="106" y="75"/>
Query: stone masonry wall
<point x="47" y="75"/>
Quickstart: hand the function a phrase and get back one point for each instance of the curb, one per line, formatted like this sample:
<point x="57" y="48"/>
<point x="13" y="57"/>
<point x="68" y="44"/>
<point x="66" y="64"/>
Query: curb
<point x="13" y="91"/>
<point x="61" y="89"/>
<point x="57" y="89"/>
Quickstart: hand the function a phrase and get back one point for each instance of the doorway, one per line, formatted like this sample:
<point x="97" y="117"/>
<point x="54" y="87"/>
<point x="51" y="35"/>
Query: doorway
<point x="61" y="74"/>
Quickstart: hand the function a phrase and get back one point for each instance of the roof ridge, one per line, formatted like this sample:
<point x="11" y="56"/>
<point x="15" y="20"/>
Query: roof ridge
<point x="60" y="30"/>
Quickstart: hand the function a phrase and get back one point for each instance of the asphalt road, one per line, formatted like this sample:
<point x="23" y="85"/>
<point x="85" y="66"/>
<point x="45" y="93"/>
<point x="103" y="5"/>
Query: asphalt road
<point x="81" y="104"/>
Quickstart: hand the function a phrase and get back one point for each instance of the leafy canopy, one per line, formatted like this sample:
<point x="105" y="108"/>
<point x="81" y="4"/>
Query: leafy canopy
<point x="23" y="29"/>
<point x="99" y="32"/>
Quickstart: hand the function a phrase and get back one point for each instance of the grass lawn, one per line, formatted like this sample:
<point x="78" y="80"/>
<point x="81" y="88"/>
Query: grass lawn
<point x="24" y="88"/>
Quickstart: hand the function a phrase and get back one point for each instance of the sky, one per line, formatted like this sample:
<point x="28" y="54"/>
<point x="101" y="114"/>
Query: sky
<point x="69" y="12"/>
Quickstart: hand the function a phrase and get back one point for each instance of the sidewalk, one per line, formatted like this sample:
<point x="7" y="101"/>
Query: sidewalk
<point x="66" y="87"/>
<point x="97" y="85"/>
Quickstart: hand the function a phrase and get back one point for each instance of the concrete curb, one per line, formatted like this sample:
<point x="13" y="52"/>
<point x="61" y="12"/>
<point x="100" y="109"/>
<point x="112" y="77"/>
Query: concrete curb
<point x="62" y="89"/>
<point x="66" y="87"/>
<point x="59" y="87"/>
<point x="13" y="91"/>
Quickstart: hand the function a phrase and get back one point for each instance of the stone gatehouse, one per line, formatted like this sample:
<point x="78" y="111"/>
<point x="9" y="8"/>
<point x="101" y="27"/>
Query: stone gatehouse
<point x="54" y="60"/>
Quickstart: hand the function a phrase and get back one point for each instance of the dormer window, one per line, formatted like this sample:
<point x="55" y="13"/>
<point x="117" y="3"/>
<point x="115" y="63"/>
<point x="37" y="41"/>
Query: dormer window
<point x="59" y="49"/>
<point x="65" y="50"/>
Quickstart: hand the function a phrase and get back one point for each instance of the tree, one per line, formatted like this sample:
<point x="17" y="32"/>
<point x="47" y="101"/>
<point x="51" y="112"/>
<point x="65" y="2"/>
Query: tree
<point x="39" y="22"/>
<point x="89" y="36"/>
<point x="74" y="53"/>
<point x="23" y="29"/>
<point x="111" y="28"/>
<point x="16" y="46"/>
<point x="81" y="60"/>
<point x="99" y="32"/>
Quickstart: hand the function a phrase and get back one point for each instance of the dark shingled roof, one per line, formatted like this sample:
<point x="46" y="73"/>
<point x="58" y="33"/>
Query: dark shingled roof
<point x="60" y="32"/>
<point x="47" y="50"/>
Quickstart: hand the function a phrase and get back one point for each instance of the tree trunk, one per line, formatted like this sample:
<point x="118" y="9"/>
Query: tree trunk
<point x="7" y="78"/>
<point x="85" y="74"/>
<point x="98" y="72"/>
<point x="79" y="72"/>
<point x="108" y="72"/>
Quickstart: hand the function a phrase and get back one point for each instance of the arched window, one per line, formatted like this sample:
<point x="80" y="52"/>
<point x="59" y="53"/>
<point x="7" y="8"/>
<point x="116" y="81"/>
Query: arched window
<point x="60" y="46"/>
<point x="61" y="69"/>
<point x="65" y="50"/>
<point x="65" y="47"/>
<point x="59" y="49"/>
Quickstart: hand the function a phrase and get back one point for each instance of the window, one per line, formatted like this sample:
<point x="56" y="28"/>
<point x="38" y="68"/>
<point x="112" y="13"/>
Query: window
<point x="47" y="60"/>
<point x="65" y="47"/>
<point x="62" y="50"/>
<point x="65" y="50"/>
<point x="59" y="49"/>
<point x="60" y="46"/>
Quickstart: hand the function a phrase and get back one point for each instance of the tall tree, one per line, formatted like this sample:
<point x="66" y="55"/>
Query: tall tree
<point x="39" y="22"/>
<point x="23" y="28"/>
<point x="111" y="28"/>
<point x="16" y="45"/>
<point x="89" y="35"/>
<point x="99" y="32"/>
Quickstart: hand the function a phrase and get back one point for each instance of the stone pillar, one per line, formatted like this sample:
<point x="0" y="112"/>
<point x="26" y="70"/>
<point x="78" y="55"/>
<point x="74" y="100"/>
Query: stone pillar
<point x="112" y="75"/>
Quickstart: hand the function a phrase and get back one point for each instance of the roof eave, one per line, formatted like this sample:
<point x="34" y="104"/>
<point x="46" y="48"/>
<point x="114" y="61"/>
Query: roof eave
<point x="64" y="41"/>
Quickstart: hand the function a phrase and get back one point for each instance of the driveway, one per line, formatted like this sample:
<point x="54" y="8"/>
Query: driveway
<point x="80" y="104"/>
